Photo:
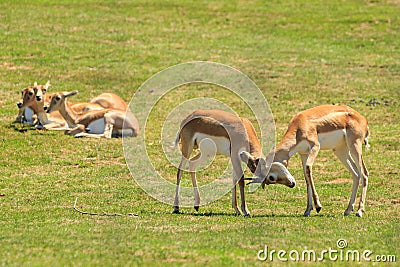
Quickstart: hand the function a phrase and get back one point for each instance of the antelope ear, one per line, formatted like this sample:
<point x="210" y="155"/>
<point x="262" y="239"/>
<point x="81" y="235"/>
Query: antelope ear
<point x="47" y="85"/>
<point x="245" y="156"/>
<point x="71" y="93"/>
<point x="261" y="167"/>
<point x="35" y="84"/>
<point x="270" y="156"/>
<point x="250" y="160"/>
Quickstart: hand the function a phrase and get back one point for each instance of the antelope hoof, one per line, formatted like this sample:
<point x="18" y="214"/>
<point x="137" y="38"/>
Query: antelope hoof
<point x="307" y="214"/>
<point x="347" y="212"/>
<point x="176" y="210"/>
<point x="196" y="208"/>
<point x="318" y="209"/>
<point x="359" y="214"/>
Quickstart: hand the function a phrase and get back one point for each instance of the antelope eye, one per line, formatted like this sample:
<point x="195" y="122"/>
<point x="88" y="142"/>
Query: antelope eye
<point x="58" y="98"/>
<point x="30" y="93"/>
<point x="271" y="178"/>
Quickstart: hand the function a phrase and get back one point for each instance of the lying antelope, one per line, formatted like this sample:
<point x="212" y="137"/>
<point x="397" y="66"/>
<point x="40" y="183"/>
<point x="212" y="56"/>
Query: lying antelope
<point x="233" y="137"/>
<point x="110" y="100"/>
<point x="34" y="99"/>
<point x="32" y="104"/>
<point x="339" y="128"/>
<point x="28" y="107"/>
<point x="98" y="123"/>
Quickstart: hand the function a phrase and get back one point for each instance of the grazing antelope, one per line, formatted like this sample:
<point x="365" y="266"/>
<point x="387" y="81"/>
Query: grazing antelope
<point x="339" y="128"/>
<point x="98" y="123"/>
<point x="232" y="136"/>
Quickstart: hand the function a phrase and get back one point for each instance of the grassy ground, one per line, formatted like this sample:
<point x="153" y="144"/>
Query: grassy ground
<point x="300" y="54"/>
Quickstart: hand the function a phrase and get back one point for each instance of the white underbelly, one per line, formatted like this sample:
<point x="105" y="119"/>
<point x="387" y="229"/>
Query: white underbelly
<point x="212" y="145"/>
<point x="97" y="126"/>
<point x="28" y="114"/>
<point x="327" y="141"/>
<point x="330" y="140"/>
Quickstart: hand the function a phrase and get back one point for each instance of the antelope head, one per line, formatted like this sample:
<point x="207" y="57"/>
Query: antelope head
<point x="275" y="173"/>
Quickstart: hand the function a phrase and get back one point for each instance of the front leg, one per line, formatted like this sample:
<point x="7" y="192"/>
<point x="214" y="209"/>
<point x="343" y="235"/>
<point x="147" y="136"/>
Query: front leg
<point x="234" y="199"/>
<point x="315" y="196"/>
<point x="238" y="177"/>
<point x="245" y="211"/>
<point x="108" y="128"/>
<point x="80" y="128"/>
<point x="309" y="190"/>
<point x="21" y="113"/>
<point x="56" y="126"/>
<point x="308" y="160"/>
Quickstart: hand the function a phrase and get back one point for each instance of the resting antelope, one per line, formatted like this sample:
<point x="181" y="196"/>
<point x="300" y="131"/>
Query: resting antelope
<point x="110" y="100"/>
<point x="28" y="107"/>
<point x="233" y="137"/>
<point x="99" y="123"/>
<point x="32" y="104"/>
<point x="34" y="99"/>
<point x="339" y="128"/>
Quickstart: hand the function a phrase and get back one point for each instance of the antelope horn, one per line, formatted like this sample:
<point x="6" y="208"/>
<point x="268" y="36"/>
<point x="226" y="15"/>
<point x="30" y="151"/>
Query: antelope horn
<point x="256" y="180"/>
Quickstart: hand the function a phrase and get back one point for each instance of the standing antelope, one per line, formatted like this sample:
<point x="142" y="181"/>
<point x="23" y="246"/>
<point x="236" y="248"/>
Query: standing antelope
<point x="99" y="123"/>
<point x="232" y="136"/>
<point x="339" y="128"/>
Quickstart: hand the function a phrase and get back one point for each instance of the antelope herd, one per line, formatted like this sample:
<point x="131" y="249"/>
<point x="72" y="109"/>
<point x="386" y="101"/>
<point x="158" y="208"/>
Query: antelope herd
<point x="105" y="116"/>
<point x="328" y="127"/>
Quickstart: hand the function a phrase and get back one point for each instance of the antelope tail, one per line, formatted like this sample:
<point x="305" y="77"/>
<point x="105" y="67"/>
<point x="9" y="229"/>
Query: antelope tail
<point x="178" y="136"/>
<point x="367" y="146"/>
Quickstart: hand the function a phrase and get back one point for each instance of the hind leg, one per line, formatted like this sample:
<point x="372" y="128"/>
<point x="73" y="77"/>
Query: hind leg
<point x="361" y="208"/>
<point x="178" y="184"/>
<point x="354" y="145"/>
<point x="356" y="153"/>
<point x="343" y="154"/>
<point x="186" y="150"/>
<point x="193" y="164"/>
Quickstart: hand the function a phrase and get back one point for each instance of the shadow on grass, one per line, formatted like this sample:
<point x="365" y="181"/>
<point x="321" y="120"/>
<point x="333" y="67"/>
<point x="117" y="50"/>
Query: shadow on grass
<point x="230" y="214"/>
<point x="20" y="127"/>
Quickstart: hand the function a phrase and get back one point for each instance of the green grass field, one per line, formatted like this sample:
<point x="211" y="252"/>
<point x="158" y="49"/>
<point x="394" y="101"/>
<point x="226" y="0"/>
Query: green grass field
<point x="299" y="53"/>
